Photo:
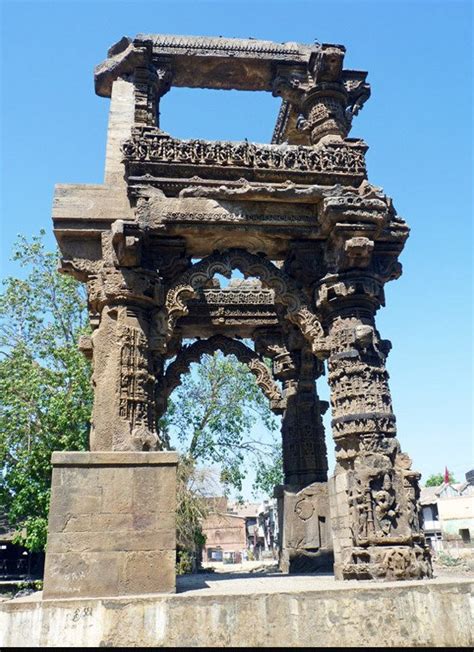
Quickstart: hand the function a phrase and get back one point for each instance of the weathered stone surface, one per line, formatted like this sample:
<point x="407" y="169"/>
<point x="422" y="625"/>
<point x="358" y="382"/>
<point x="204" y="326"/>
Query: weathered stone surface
<point x="305" y="529"/>
<point x="112" y="459"/>
<point x="110" y="514"/>
<point x="297" y="215"/>
<point x="289" y="612"/>
<point x="203" y="61"/>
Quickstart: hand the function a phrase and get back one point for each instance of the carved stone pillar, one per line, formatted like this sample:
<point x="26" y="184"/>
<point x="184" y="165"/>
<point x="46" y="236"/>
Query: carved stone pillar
<point x="304" y="447"/>
<point x="127" y="343"/>
<point x="133" y="60"/>
<point x="124" y="415"/>
<point x="151" y="79"/>
<point x="374" y="493"/>
<point x="326" y="96"/>
<point x="151" y="83"/>
<point x="303" y="509"/>
<point x="112" y="525"/>
<point x="305" y="534"/>
<point x="324" y="104"/>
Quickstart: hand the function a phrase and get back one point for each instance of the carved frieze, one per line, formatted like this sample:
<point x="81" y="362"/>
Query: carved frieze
<point x="149" y="151"/>
<point x="286" y="292"/>
<point x="399" y="562"/>
<point x="194" y="352"/>
<point x="243" y="294"/>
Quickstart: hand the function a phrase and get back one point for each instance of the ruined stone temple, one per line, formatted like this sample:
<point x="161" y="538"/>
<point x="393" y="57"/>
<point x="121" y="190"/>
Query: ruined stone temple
<point x="315" y="243"/>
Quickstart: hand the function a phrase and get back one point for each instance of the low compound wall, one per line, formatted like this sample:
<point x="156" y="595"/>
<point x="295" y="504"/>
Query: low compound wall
<point x="419" y="613"/>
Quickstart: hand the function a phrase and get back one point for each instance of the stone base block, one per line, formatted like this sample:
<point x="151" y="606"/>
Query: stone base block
<point x="279" y="612"/>
<point x="305" y="536"/>
<point x="112" y="524"/>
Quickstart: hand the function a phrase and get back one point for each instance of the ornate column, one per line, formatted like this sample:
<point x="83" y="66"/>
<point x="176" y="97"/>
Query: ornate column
<point x="151" y="82"/>
<point x="112" y="528"/>
<point x="374" y="493"/>
<point x="126" y="346"/>
<point x="304" y="446"/>
<point x="303" y="509"/>
<point x="151" y="75"/>
<point x="325" y="95"/>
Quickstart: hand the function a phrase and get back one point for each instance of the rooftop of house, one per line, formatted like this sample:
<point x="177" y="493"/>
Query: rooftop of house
<point x="247" y="510"/>
<point x="430" y="495"/>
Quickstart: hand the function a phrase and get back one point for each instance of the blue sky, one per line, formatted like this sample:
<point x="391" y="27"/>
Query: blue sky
<point x="418" y="125"/>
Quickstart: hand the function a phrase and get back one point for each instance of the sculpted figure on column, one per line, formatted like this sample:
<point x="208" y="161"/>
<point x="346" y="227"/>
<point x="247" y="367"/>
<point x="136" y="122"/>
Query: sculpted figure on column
<point x="376" y="527"/>
<point x="298" y="215"/>
<point x="125" y="347"/>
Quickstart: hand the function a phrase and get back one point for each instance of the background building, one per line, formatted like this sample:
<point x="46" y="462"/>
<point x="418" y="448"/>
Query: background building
<point x="16" y="562"/>
<point x="235" y="531"/>
<point x="448" y="514"/>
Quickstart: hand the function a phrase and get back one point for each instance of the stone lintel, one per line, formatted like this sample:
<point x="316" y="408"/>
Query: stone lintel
<point x="115" y="458"/>
<point x="205" y="62"/>
<point x="90" y="201"/>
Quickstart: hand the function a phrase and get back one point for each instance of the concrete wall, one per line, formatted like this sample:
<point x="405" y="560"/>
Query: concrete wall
<point x="457" y="507"/>
<point x="456" y="513"/>
<point x="432" y="613"/>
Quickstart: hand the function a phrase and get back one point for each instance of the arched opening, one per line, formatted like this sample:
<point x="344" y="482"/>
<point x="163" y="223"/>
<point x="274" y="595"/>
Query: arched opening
<point x="286" y="293"/>
<point x="201" y="303"/>
<point x="220" y="419"/>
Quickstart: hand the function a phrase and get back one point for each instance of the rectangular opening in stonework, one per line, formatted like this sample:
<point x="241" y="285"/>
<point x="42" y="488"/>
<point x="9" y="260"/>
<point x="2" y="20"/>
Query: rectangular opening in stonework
<point x="189" y="113"/>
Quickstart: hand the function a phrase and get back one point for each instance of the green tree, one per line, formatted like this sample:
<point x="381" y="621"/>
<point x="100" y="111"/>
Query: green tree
<point x="437" y="479"/>
<point x="211" y="417"/>
<point x="46" y="401"/>
<point x="45" y="393"/>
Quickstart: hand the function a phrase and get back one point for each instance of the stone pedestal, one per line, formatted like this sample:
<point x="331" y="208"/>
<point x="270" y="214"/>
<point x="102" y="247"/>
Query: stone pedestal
<point x="112" y="524"/>
<point x="304" y="526"/>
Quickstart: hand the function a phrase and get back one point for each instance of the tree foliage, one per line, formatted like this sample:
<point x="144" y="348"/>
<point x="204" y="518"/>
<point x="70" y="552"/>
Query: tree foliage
<point x="437" y="479"/>
<point x="193" y="487"/>
<point x="45" y="393"/>
<point x="46" y="402"/>
<point x="211" y="416"/>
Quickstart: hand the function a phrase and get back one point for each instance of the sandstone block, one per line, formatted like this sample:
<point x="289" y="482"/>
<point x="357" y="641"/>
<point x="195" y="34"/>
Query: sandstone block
<point x="148" y="572"/>
<point x="112" y="525"/>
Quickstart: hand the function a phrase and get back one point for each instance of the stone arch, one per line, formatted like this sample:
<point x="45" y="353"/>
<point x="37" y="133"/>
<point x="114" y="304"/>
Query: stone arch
<point x="287" y="293"/>
<point x="228" y="346"/>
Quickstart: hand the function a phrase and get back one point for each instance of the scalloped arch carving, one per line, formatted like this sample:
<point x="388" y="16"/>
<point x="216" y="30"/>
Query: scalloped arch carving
<point x="286" y="291"/>
<point x="194" y="352"/>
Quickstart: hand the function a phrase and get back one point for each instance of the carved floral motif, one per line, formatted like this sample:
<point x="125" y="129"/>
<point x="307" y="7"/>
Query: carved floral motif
<point x="228" y="346"/>
<point x="147" y="145"/>
<point x="285" y="292"/>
